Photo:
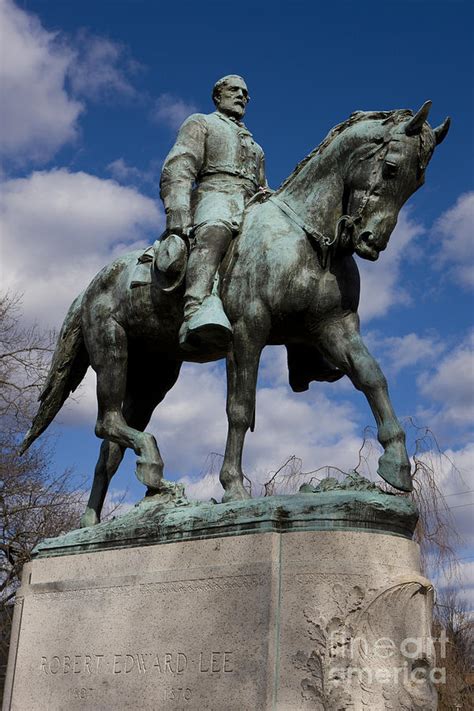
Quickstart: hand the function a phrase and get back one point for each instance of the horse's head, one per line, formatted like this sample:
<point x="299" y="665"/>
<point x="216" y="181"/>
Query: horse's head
<point x="386" y="166"/>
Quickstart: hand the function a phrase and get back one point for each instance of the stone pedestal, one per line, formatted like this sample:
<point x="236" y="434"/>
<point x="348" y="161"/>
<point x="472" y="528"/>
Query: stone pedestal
<point x="267" y="620"/>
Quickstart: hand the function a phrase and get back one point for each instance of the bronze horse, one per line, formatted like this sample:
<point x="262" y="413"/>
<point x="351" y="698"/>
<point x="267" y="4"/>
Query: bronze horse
<point x="289" y="278"/>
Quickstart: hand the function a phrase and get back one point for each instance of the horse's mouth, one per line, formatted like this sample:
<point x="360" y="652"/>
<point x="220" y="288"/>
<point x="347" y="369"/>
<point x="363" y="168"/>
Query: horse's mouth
<point x="366" y="247"/>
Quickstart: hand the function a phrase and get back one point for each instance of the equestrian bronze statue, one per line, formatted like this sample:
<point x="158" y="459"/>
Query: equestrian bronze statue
<point x="289" y="277"/>
<point x="214" y="169"/>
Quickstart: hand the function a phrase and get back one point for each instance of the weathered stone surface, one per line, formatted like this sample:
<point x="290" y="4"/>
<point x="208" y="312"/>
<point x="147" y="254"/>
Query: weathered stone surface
<point x="354" y="504"/>
<point x="349" y="603"/>
<point x="236" y="623"/>
<point x="162" y="627"/>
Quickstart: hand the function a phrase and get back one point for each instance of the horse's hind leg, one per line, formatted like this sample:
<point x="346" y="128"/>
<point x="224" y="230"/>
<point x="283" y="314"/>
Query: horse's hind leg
<point x="141" y="399"/>
<point x="110" y="457"/>
<point x="109" y="356"/>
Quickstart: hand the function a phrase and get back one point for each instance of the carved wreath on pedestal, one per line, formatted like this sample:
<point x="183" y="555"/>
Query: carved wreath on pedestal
<point x="373" y="652"/>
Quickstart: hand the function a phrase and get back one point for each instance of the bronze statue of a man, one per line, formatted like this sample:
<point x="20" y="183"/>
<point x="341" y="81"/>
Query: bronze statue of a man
<point x="208" y="177"/>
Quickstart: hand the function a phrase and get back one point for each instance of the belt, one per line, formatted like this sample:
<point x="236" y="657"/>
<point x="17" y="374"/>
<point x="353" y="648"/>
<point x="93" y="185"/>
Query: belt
<point x="234" y="174"/>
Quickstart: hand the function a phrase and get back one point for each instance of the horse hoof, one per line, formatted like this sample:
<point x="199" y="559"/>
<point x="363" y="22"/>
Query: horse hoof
<point x="396" y="471"/>
<point x="236" y="493"/>
<point x="149" y="473"/>
<point x="89" y="518"/>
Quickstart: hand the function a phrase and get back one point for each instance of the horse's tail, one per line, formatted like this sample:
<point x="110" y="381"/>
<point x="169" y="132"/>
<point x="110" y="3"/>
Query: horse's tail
<point x="68" y="367"/>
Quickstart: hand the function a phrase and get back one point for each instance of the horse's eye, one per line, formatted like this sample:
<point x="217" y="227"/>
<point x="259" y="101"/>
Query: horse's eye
<point x="389" y="169"/>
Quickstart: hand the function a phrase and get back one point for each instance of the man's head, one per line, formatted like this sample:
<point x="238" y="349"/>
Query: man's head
<point x="231" y="96"/>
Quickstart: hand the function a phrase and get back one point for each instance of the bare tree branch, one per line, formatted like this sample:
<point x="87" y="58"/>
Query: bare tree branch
<point x="35" y="501"/>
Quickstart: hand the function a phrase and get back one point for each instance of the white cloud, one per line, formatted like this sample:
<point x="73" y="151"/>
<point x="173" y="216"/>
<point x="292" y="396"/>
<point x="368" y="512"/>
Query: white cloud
<point x="463" y="461"/>
<point x="126" y="174"/>
<point x="117" y="503"/>
<point x="203" y="488"/>
<point x="382" y="284"/>
<point x="171" y="110"/>
<point x="311" y="426"/>
<point x="452" y="470"/>
<point x="191" y="422"/>
<point x="273" y="366"/>
<point x="101" y="68"/>
<point x="37" y="115"/>
<point x="46" y="71"/>
<point x="405" y="351"/>
<point x="461" y="581"/>
<point x="59" y="228"/>
<point x="466" y="576"/>
<point x="81" y="407"/>
<point x="457" y="249"/>
<point x="121" y="171"/>
<point x="451" y="387"/>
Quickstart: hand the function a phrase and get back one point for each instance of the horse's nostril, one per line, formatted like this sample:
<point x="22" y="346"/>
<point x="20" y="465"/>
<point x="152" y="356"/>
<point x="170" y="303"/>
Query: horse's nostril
<point x="366" y="237"/>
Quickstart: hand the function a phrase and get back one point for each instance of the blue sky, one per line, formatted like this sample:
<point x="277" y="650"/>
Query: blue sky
<point x="93" y="95"/>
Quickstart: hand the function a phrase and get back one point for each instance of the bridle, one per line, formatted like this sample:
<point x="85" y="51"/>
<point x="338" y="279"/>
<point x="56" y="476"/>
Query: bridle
<point x="326" y="244"/>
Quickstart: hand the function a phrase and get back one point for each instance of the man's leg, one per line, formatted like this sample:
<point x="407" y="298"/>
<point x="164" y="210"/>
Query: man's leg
<point x="205" y="322"/>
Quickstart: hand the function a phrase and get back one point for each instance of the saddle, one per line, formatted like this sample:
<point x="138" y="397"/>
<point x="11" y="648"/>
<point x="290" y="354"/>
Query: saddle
<point x="168" y="256"/>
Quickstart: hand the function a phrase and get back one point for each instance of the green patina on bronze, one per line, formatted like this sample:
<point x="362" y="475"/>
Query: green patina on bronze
<point x="288" y="277"/>
<point x="354" y="504"/>
<point x="208" y="178"/>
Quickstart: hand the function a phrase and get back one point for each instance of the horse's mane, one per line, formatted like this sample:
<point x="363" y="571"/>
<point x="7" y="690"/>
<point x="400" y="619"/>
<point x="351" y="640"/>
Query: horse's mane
<point x="395" y="116"/>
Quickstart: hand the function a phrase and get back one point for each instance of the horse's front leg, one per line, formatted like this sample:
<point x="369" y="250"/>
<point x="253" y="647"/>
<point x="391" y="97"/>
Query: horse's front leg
<point x="342" y="344"/>
<point x="242" y="370"/>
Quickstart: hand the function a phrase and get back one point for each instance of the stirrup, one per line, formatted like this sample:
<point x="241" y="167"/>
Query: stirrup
<point x="207" y="329"/>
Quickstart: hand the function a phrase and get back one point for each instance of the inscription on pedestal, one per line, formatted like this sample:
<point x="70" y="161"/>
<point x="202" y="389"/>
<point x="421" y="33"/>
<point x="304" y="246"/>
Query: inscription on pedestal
<point x="88" y="670"/>
<point x="176" y="663"/>
<point x="165" y="628"/>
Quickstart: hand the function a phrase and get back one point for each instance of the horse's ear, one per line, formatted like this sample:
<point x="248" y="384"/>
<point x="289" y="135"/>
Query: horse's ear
<point x="415" y="124"/>
<point x="441" y="132"/>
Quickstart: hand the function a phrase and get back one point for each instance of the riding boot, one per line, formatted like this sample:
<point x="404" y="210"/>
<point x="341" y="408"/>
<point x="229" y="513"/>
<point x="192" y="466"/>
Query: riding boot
<point x="205" y="327"/>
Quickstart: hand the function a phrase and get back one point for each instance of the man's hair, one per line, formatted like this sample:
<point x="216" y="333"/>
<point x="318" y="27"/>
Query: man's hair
<point x="220" y="83"/>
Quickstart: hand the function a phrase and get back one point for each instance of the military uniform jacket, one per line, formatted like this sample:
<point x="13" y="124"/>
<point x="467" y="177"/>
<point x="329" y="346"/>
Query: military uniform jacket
<point x="212" y="170"/>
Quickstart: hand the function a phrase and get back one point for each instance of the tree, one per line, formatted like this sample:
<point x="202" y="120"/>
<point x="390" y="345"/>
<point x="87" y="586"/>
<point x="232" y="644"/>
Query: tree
<point x="455" y="627"/>
<point x="24" y="357"/>
<point x="35" y="502"/>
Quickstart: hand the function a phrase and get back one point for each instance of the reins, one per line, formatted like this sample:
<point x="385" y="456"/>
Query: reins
<point x="323" y="242"/>
<point x="328" y="245"/>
